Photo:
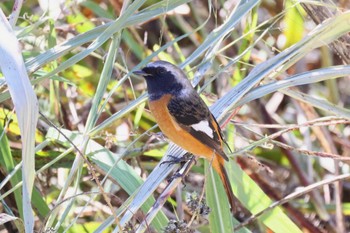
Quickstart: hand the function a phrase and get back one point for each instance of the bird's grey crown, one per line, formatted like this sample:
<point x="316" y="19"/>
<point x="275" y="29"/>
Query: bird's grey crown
<point x="164" y="64"/>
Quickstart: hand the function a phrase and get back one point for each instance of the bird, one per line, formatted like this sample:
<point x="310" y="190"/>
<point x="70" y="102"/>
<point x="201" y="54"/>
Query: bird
<point x="184" y="118"/>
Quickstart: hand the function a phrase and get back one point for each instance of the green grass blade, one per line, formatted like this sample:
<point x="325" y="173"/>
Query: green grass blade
<point x="112" y="164"/>
<point x="26" y="104"/>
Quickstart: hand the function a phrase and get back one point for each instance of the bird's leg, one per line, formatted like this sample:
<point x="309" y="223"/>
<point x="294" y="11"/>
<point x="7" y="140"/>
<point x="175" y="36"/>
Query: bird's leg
<point x="181" y="173"/>
<point x="178" y="160"/>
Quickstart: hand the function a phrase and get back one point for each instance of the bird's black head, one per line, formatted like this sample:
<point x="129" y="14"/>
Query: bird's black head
<point x="164" y="78"/>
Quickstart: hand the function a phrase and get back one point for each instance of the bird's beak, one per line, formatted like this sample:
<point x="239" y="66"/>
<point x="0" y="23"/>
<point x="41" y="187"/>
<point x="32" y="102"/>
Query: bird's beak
<point x="140" y="73"/>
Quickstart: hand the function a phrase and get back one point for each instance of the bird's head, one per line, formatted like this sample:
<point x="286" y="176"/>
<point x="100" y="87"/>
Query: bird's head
<point x="164" y="78"/>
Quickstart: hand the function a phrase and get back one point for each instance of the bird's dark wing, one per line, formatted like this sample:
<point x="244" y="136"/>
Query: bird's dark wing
<point x="193" y="115"/>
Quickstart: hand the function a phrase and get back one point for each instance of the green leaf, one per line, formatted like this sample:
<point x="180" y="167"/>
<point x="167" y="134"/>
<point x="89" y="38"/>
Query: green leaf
<point x="255" y="200"/>
<point x="220" y="217"/>
<point x="8" y="164"/>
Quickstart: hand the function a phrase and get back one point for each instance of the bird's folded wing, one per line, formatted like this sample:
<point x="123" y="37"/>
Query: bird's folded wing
<point x="193" y="115"/>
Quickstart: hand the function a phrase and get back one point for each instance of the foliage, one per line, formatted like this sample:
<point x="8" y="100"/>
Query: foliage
<point x="267" y="71"/>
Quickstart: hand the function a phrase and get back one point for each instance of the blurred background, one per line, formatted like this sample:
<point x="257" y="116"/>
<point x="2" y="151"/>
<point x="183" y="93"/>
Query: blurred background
<point x="80" y="56"/>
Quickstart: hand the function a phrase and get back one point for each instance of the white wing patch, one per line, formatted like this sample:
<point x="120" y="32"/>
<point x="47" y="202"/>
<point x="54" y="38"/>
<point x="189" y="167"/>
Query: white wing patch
<point x="204" y="127"/>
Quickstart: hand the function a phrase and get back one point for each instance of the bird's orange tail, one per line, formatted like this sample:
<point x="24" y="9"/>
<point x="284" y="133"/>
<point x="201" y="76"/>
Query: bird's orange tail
<point x="218" y="164"/>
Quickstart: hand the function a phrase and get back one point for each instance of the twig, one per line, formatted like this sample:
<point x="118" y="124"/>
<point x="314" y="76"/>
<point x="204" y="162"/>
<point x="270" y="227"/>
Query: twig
<point x="91" y="169"/>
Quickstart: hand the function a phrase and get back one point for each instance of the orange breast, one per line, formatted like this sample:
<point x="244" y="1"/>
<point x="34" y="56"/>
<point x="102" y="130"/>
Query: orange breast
<point x="173" y="130"/>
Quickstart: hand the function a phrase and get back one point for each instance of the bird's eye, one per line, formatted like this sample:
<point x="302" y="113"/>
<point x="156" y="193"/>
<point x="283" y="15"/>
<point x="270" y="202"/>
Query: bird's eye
<point x="161" y="71"/>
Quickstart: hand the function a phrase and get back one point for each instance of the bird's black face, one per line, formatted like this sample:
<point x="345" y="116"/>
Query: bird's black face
<point x="163" y="78"/>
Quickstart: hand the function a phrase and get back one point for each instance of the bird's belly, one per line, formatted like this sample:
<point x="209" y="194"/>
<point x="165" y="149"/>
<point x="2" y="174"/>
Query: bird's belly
<point x="174" y="132"/>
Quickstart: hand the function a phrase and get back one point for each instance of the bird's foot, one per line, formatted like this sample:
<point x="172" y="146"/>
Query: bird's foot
<point x="178" y="160"/>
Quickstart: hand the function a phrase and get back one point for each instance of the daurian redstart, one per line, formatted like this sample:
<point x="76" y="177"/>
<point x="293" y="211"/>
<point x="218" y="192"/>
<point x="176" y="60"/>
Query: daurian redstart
<point x="184" y="117"/>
